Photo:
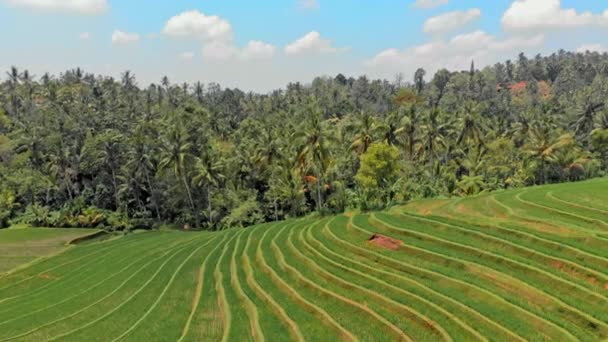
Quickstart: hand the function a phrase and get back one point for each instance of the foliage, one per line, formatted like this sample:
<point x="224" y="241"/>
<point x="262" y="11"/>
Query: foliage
<point x="378" y="173"/>
<point x="82" y="149"/>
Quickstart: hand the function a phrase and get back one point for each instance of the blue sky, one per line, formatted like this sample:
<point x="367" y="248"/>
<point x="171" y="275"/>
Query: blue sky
<point x="262" y="45"/>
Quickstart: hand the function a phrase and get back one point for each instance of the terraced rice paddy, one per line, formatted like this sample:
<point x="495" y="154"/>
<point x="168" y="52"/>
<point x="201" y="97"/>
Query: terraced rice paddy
<point x="19" y="247"/>
<point x="528" y="264"/>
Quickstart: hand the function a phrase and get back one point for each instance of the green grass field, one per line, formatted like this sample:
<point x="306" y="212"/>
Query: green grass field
<point x="20" y="246"/>
<point x="528" y="264"/>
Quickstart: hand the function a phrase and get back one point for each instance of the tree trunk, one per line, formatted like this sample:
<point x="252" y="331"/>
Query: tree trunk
<point x="190" y="199"/>
<point x="209" y="205"/>
<point x="276" y="217"/>
<point x="152" y="194"/>
<point x="114" y="185"/>
<point x="542" y="171"/>
<point x="319" y="194"/>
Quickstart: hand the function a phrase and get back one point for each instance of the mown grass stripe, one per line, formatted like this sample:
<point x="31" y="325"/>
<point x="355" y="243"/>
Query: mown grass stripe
<point x="162" y="294"/>
<point x="40" y="259"/>
<point x="293" y="327"/>
<point x="516" y="247"/>
<point x="556" y="245"/>
<point x="281" y="260"/>
<point x="552" y="196"/>
<point x="199" y="289"/>
<point x="118" y="288"/>
<point x="559" y="211"/>
<point x="466" y="247"/>
<point x="70" y="262"/>
<point x="223" y="301"/>
<point x="506" y="258"/>
<point x="432" y="325"/>
<point x="88" y="289"/>
<point x="107" y="314"/>
<point x="281" y="283"/>
<point x="252" y="311"/>
<point x="519" y="308"/>
<point x="371" y="270"/>
<point x="31" y="295"/>
<point x="396" y="264"/>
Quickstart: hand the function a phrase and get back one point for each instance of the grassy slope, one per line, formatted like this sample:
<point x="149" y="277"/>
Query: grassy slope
<point x="19" y="246"/>
<point x="529" y="264"/>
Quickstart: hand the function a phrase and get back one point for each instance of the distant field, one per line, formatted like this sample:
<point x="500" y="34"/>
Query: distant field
<point x="22" y="245"/>
<point x="529" y="264"/>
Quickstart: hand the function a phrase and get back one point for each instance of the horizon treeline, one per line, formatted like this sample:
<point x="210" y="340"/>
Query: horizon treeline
<point x="82" y="150"/>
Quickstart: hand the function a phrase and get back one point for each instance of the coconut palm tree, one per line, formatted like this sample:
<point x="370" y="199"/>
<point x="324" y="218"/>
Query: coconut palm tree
<point x="314" y="154"/>
<point x="209" y="174"/>
<point x="175" y="154"/>
<point x="365" y="130"/>
<point x="542" y="146"/>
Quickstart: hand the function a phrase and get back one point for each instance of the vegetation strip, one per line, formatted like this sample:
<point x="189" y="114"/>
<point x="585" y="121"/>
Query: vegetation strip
<point x="60" y="336"/>
<point x="298" y="274"/>
<point x="555" y="299"/>
<point x="432" y="325"/>
<point x="482" y="290"/>
<point x="106" y="296"/>
<point x="99" y="284"/>
<point x="322" y="314"/>
<point x="293" y="327"/>
<point x="199" y="288"/>
<point x="249" y="306"/>
<point x="513" y="245"/>
<point x="160" y="296"/>
<point x="394" y="288"/>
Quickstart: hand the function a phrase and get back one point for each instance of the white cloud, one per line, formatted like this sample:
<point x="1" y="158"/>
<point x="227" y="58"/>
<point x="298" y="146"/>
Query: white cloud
<point x="124" y="38"/>
<point x="454" y="54"/>
<point x="257" y="50"/>
<point x="254" y="50"/>
<point x="311" y="43"/>
<point x="83" y="7"/>
<point x="219" y="51"/>
<point x="528" y="15"/>
<point x="451" y="21"/>
<point x="308" y="4"/>
<point x="84" y="36"/>
<point x="186" y="56"/>
<point x="429" y="3"/>
<point x="195" y="24"/>
<point x="592" y="48"/>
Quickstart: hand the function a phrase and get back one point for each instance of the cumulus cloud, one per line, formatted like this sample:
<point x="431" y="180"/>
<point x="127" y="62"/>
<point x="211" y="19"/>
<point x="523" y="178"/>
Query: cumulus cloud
<point x="592" y="48"/>
<point x="83" y="7"/>
<point x="254" y="50"/>
<point x="217" y="37"/>
<point x="308" y="4"/>
<point x="219" y="51"/>
<point x="311" y="43"/>
<point x="528" y="15"/>
<point x="454" y="54"/>
<point x="257" y="50"/>
<point x="195" y="24"/>
<point x="451" y="21"/>
<point x="124" y="38"/>
<point x="429" y="3"/>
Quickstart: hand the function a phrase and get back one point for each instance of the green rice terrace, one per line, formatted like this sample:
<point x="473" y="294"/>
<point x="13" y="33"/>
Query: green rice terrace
<point x="526" y="264"/>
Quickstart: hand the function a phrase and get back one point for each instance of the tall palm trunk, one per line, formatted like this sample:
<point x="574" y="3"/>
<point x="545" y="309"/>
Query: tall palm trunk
<point x="209" y="205"/>
<point x="153" y="194"/>
<point x="319" y="204"/>
<point x="187" y="187"/>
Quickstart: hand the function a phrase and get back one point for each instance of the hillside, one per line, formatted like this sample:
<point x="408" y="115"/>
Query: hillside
<point x="528" y="264"/>
<point x="21" y="246"/>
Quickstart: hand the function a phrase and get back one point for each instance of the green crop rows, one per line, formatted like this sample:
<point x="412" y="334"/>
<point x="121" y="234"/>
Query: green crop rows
<point x="527" y="264"/>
